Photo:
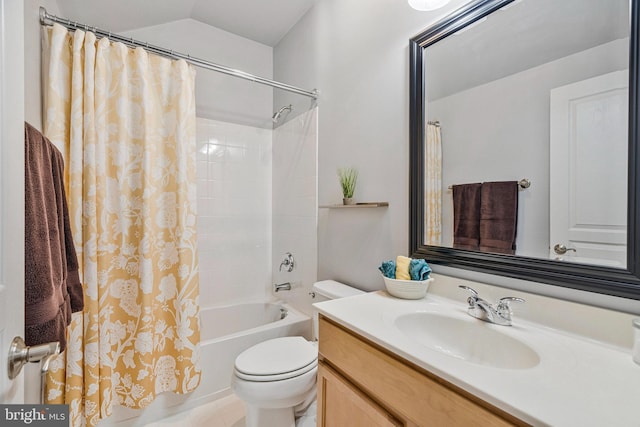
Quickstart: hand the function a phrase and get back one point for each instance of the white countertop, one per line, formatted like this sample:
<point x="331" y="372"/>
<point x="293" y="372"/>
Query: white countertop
<point x="578" y="382"/>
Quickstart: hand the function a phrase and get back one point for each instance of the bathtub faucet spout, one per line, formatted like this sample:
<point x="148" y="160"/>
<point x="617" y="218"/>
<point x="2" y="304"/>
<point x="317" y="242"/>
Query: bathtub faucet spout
<point x="282" y="287"/>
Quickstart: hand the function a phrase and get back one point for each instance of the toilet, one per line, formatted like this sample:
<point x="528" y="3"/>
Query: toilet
<point x="277" y="377"/>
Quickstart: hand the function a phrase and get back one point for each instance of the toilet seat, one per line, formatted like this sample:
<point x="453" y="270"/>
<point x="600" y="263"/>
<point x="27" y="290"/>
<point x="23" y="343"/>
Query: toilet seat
<point x="277" y="377"/>
<point x="277" y="359"/>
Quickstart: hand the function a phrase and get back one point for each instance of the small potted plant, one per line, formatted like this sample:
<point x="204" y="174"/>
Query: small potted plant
<point x="348" y="178"/>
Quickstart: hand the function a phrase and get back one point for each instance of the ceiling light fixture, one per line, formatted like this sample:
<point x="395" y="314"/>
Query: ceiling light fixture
<point x="424" y="5"/>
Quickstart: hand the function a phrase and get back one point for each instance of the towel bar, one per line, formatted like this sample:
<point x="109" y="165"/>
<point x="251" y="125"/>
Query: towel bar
<point x="523" y="183"/>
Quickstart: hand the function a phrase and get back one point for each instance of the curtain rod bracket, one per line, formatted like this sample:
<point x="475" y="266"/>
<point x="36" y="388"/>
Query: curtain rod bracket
<point x="43" y="16"/>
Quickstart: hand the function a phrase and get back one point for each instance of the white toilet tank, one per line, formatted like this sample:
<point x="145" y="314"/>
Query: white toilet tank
<point x="326" y="290"/>
<point x="330" y="289"/>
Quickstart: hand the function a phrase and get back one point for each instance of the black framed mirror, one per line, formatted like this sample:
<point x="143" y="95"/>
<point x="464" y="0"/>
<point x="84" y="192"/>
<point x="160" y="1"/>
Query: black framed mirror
<point x="618" y="281"/>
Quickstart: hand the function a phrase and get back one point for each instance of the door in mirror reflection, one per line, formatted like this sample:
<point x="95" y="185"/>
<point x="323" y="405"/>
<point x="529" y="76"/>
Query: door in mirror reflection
<point x="588" y="143"/>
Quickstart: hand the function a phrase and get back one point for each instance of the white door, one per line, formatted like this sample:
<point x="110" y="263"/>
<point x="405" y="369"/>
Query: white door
<point x="588" y="177"/>
<point x="11" y="190"/>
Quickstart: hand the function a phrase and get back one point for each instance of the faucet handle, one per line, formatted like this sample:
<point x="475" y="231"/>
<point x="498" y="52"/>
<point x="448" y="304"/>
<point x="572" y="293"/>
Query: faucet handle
<point x="473" y="291"/>
<point x="507" y="300"/>
<point x="504" y="305"/>
<point x="287" y="262"/>
<point x="474" y="295"/>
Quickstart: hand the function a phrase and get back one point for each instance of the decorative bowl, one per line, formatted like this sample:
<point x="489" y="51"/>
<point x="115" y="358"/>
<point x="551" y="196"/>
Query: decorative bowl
<point x="407" y="289"/>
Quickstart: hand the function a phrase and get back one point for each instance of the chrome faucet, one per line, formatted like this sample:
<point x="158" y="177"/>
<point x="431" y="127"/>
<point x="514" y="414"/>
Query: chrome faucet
<point x="286" y="286"/>
<point x="481" y="309"/>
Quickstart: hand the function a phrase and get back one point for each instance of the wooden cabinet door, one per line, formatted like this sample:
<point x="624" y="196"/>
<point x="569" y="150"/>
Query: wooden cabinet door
<point x="341" y="404"/>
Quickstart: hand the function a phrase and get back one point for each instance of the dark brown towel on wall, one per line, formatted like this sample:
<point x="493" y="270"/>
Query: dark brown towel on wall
<point x="499" y="217"/>
<point x="52" y="286"/>
<point x="466" y="216"/>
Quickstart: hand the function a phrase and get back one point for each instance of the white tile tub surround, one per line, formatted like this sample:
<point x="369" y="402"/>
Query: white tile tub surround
<point x="234" y="211"/>
<point x="295" y="207"/>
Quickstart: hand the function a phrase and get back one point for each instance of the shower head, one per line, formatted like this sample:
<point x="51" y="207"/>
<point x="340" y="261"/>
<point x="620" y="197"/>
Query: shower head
<point x="277" y="114"/>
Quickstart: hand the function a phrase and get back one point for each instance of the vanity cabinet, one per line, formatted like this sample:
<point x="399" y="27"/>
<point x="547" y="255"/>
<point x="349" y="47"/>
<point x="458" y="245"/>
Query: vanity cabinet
<point x="362" y="384"/>
<point x="347" y="404"/>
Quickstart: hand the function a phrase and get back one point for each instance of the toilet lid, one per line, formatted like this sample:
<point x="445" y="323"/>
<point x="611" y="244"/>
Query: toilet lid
<point x="277" y="356"/>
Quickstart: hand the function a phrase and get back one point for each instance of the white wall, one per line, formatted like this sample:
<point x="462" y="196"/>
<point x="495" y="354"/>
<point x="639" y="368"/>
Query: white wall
<point x="294" y="207"/>
<point x="219" y="96"/>
<point x="357" y="56"/>
<point x="32" y="66"/>
<point x="478" y="146"/>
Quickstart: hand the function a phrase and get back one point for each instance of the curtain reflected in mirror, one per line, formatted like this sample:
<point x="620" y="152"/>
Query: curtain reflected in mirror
<point x="531" y="91"/>
<point x="433" y="185"/>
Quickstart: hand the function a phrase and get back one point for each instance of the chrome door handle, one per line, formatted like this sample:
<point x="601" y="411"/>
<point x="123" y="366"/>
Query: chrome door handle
<point x="20" y="354"/>
<point x="561" y="249"/>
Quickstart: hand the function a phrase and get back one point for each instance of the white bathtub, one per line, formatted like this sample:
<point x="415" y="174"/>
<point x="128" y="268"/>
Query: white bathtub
<point x="225" y="332"/>
<point x="228" y="331"/>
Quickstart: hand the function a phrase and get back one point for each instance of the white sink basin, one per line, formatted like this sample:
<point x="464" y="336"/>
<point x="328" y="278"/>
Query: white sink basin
<point x="470" y="339"/>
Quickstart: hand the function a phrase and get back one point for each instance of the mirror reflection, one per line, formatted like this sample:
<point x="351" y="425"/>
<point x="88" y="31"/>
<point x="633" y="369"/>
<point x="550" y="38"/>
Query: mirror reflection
<point x="526" y="141"/>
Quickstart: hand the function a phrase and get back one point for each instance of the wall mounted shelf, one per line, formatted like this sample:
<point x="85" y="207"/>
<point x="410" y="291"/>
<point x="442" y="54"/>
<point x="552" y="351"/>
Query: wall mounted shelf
<point x="357" y="205"/>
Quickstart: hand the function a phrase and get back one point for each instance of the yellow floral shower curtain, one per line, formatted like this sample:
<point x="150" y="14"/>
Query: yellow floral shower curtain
<point x="125" y="120"/>
<point x="433" y="185"/>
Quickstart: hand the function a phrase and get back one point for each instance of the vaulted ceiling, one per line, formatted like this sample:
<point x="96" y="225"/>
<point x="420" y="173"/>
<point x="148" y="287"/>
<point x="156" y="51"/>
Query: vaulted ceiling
<point x="264" y="21"/>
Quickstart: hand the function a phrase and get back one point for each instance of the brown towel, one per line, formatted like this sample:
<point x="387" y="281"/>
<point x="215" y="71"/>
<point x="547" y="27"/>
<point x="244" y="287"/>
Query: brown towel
<point x="499" y="217"/>
<point x="52" y="285"/>
<point x="466" y="216"/>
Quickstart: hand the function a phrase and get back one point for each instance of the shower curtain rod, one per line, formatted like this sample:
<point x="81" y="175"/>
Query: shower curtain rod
<point x="48" y="19"/>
